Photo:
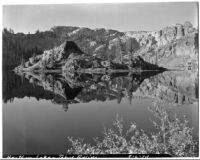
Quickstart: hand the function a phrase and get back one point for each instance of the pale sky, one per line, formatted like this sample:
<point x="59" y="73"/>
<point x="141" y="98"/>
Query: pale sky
<point x="122" y="17"/>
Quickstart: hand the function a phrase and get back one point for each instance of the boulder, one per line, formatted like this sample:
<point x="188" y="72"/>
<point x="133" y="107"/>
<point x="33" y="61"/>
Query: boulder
<point x="180" y="31"/>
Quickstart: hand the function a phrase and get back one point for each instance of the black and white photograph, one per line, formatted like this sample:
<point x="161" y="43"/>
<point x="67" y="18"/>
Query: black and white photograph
<point x="100" y="80"/>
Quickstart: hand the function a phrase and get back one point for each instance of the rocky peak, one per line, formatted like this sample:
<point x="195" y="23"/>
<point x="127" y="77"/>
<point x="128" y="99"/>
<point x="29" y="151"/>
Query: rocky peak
<point x="174" y="32"/>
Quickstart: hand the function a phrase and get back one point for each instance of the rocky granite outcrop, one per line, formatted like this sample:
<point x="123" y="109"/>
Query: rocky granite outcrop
<point x="68" y="58"/>
<point x="174" y="47"/>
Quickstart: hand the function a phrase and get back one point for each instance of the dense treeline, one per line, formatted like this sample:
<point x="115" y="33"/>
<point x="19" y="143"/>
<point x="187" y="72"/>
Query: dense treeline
<point x="20" y="45"/>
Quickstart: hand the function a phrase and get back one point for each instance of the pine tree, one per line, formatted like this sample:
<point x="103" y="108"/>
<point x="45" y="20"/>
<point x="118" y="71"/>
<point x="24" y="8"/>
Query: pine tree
<point x="22" y="61"/>
<point x="130" y="52"/>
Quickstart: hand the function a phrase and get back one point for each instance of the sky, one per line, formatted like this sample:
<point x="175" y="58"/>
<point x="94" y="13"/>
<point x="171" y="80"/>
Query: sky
<point x="122" y="17"/>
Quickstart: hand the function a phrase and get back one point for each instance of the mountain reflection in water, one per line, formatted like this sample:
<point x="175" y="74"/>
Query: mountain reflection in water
<point x="172" y="87"/>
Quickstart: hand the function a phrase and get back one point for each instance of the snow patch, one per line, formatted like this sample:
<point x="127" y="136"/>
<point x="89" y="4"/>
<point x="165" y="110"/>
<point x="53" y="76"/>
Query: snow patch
<point x="130" y="34"/>
<point x="98" y="48"/>
<point x="110" y="46"/>
<point x="93" y="43"/>
<point x="74" y="32"/>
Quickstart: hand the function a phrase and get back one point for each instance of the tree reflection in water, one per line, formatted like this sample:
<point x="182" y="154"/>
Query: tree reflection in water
<point x="173" y="137"/>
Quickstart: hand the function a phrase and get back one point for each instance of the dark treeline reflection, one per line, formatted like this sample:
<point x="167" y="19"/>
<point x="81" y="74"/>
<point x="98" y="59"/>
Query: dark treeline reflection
<point x="66" y="89"/>
<point x="15" y="86"/>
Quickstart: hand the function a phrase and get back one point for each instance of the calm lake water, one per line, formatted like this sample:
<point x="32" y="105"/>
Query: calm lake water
<point x="40" y="112"/>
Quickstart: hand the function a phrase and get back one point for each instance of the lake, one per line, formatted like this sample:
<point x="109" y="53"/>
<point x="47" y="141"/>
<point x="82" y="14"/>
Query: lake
<point x="40" y="112"/>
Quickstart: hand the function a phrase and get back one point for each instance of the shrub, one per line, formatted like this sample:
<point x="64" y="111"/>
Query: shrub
<point x="173" y="137"/>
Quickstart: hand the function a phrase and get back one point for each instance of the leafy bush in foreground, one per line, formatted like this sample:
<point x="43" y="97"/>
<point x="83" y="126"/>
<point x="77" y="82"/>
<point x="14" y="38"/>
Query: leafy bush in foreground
<point x="173" y="137"/>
